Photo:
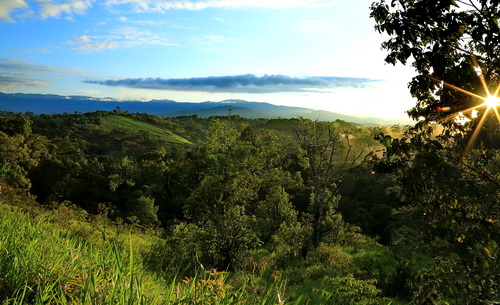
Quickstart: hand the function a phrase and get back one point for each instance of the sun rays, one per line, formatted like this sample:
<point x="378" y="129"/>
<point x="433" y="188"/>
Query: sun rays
<point x="491" y="102"/>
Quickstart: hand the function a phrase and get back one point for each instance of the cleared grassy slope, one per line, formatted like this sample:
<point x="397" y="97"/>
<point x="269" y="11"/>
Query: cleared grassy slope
<point x="131" y="125"/>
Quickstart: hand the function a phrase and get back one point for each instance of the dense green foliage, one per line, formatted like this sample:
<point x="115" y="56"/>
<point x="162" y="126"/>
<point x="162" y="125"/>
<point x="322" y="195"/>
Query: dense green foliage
<point x="449" y="171"/>
<point x="242" y="211"/>
<point x="262" y="204"/>
<point x="79" y="266"/>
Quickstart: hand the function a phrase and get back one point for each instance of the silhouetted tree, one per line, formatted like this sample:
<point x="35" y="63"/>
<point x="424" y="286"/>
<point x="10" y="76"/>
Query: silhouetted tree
<point x="450" y="178"/>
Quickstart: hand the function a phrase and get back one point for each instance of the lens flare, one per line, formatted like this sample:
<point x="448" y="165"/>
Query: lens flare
<point x="491" y="102"/>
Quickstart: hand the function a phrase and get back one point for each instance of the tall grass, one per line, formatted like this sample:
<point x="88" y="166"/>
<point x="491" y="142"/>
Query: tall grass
<point x="44" y="263"/>
<point x="41" y="264"/>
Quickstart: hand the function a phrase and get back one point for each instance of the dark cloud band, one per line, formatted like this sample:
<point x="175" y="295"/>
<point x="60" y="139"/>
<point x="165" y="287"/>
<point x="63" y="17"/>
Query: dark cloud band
<point x="247" y="83"/>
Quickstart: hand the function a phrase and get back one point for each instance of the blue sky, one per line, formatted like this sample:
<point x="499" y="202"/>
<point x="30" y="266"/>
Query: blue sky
<point x="321" y="54"/>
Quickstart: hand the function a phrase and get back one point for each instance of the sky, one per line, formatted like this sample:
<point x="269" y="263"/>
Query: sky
<point x="319" y="54"/>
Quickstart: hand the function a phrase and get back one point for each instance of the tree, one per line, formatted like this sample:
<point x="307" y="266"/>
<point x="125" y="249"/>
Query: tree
<point x="239" y="176"/>
<point x="144" y="208"/>
<point x="323" y="161"/>
<point x="18" y="124"/>
<point x="18" y="156"/>
<point x="367" y="200"/>
<point x="57" y="176"/>
<point x="438" y="38"/>
<point x="450" y="178"/>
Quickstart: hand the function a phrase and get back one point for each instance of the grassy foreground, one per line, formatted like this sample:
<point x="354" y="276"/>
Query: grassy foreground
<point x="64" y="256"/>
<point x="42" y="263"/>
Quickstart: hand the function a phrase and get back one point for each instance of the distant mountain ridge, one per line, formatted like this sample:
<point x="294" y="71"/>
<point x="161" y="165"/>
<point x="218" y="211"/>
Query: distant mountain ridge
<point x="50" y="104"/>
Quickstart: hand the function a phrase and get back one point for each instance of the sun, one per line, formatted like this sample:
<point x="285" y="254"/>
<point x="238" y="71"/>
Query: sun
<point x="492" y="101"/>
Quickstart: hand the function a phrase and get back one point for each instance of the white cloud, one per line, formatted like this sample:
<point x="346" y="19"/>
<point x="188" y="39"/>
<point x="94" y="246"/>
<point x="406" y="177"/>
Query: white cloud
<point x="131" y="37"/>
<point x="124" y="37"/>
<point x="51" y="9"/>
<point x="163" y="5"/>
<point x="10" y="9"/>
<point x="140" y="22"/>
<point x="85" y="44"/>
<point x="9" y="6"/>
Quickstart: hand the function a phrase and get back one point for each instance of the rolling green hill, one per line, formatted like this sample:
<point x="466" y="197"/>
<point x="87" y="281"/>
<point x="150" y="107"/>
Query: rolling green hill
<point x="132" y="125"/>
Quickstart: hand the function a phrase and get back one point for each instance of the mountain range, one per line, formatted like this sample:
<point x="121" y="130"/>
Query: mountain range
<point x="50" y="104"/>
